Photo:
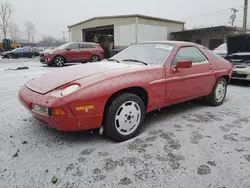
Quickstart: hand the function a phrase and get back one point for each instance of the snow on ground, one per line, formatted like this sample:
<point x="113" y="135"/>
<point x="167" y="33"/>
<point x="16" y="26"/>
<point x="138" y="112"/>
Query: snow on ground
<point x="187" y="145"/>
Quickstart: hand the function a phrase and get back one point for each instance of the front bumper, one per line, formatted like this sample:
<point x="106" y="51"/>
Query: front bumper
<point x="42" y="59"/>
<point x="241" y="74"/>
<point x="3" y="56"/>
<point x="68" y="122"/>
<point x="48" y="59"/>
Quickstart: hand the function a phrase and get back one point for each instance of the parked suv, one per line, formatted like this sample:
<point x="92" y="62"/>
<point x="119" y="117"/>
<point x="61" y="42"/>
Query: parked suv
<point x="74" y="52"/>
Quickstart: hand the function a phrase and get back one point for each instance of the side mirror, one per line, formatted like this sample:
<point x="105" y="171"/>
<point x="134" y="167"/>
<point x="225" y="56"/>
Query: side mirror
<point x="68" y="49"/>
<point x="183" y="64"/>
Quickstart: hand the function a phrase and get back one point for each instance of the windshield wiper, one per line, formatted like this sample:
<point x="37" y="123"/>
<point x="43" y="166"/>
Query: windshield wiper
<point x="113" y="60"/>
<point x="135" y="60"/>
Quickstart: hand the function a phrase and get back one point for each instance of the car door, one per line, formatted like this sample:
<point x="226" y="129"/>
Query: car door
<point x="85" y="51"/>
<point x="26" y="52"/>
<point x="72" y="52"/>
<point x="189" y="83"/>
<point x="18" y="52"/>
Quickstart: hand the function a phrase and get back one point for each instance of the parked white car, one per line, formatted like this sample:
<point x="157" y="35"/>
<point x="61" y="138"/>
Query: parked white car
<point x="239" y="56"/>
<point x="221" y="50"/>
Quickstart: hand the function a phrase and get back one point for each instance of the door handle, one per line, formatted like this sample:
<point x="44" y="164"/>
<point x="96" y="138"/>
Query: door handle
<point x="211" y="67"/>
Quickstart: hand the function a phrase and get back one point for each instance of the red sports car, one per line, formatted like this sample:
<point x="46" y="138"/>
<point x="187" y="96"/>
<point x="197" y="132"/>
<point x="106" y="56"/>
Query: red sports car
<point x="115" y="94"/>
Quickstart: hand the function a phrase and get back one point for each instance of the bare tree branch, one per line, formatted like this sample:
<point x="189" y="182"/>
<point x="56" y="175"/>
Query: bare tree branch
<point x="6" y="11"/>
<point x="14" y="30"/>
<point x="30" y="30"/>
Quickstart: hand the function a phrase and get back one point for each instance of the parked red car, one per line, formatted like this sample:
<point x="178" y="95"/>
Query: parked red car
<point x="114" y="95"/>
<point x="74" y="52"/>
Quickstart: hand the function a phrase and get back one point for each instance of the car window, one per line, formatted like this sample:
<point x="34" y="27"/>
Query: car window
<point x="74" y="46"/>
<point x="189" y="53"/>
<point x="214" y="55"/>
<point x="83" y="45"/>
<point x="18" y="50"/>
<point x="27" y="50"/>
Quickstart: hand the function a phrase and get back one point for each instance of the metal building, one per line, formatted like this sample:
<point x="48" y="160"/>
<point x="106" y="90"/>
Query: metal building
<point x="210" y="37"/>
<point x="123" y="30"/>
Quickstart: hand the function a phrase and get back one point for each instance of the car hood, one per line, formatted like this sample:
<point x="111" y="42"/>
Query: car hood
<point x="55" y="79"/>
<point x="6" y="52"/>
<point x="220" y="51"/>
<point x="238" y="44"/>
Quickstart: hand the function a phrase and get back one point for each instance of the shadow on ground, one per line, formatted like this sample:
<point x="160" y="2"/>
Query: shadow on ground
<point x="243" y="83"/>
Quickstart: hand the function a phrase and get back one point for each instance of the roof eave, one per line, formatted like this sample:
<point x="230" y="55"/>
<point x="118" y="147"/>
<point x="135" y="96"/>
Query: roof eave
<point x="124" y="16"/>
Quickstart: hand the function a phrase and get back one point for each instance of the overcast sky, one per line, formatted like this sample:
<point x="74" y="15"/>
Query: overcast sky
<point x="51" y="17"/>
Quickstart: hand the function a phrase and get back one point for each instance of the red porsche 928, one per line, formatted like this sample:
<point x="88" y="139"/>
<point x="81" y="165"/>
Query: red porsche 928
<point x="115" y="94"/>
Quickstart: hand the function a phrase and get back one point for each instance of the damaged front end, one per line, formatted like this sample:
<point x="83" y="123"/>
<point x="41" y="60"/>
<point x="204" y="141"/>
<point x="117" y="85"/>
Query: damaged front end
<point x="239" y="55"/>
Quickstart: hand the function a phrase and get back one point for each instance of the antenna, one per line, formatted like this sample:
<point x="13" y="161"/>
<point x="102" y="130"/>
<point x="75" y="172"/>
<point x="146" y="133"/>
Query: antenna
<point x="64" y="39"/>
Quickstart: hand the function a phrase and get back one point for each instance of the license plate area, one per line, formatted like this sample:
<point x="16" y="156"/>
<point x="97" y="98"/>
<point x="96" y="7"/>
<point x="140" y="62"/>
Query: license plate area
<point x="40" y="109"/>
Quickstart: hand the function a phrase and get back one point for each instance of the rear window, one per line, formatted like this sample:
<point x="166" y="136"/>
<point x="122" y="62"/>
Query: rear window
<point x="214" y="55"/>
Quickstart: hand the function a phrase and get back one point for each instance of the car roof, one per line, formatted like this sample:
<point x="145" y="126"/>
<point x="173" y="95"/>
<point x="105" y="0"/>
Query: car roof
<point x="177" y="43"/>
<point x="85" y="42"/>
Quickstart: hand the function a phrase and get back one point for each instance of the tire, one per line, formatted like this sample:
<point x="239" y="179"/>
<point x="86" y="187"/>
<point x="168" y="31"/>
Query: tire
<point x="94" y="58"/>
<point x="33" y="56"/>
<point x="59" y="61"/>
<point x="218" y="94"/>
<point x="123" y="109"/>
<point x="10" y="56"/>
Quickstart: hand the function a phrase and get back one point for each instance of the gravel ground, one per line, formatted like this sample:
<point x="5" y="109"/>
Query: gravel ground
<point x="187" y="145"/>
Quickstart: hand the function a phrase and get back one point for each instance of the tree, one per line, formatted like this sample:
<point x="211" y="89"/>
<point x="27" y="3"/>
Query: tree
<point x="30" y="30"/>
<point x="14" y="30"/>
<point x="48" y="41"/>
<point x="5" y="16"/>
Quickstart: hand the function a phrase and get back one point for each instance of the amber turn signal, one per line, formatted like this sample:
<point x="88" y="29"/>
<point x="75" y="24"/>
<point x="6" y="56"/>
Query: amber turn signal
<point x="57" y="112"/>
<point x="87" y="107"/>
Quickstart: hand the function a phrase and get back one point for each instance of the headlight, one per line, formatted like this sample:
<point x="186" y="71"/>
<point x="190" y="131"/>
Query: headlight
<point x="70" y="89"/>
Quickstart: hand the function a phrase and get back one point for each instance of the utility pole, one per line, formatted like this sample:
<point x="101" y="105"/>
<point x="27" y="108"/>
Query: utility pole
<point x="233" y="16"/>
<point x="64" y="36"/>
<point x="245" y="17"/>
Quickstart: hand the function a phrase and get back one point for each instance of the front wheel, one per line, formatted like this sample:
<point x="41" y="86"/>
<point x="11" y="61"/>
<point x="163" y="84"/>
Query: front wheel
<point x="59" y="61"/>
<point x="10" y="56"/>
<point x="218" y="94"/>
<point x="124" y="117"/>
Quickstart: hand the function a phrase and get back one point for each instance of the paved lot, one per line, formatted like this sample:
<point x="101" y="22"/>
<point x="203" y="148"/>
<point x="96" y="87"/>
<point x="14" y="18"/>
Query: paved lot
<point x="188" y="145"/>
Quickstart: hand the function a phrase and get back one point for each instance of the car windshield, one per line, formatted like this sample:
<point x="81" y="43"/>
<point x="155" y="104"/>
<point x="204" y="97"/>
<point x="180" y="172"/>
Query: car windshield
<point x="62" y="47"/>
<point x="149" y="53"/>
<point x="16" y="49"/>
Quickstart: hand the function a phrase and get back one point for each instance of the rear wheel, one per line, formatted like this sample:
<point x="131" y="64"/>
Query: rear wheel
<point x="59" y="61"/>
<point x="95" y="58"/>
<point x="124" y="117"/>
<point x="218" y="94"/>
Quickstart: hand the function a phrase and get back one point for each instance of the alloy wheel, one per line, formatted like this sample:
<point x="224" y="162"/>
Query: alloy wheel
<point x="220" y="91"/>
<point x="128" y="117"/>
